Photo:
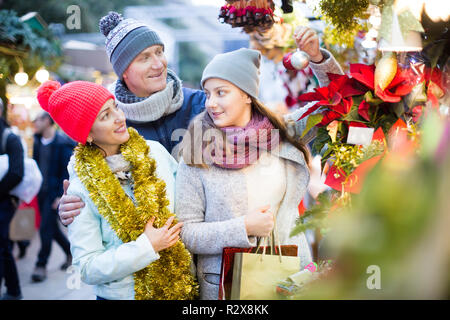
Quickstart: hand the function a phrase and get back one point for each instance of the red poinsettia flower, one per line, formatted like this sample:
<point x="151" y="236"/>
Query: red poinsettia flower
<point x="402" y="84"/>
<point x="336" y="97"/>
<point x="363" y="110"/>
<point x="337" y="112"/>
<point x="364" y="74"/>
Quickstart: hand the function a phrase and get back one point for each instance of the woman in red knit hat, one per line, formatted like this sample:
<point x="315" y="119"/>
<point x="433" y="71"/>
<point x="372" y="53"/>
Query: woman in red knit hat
<point x="125" y="242"/>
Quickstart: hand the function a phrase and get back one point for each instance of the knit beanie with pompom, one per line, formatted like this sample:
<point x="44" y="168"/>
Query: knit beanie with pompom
<point x="125" y="39"/>
<point x="73" y="106"/>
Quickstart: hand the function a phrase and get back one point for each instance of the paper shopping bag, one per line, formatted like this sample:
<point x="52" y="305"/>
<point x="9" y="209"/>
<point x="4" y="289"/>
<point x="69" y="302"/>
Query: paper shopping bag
<point x="226" y="273"/>
<point x="255" y="276"/>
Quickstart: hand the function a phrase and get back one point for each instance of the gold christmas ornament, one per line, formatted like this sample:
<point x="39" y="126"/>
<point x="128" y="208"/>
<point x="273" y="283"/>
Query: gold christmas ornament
<point x="169" y="277"/>
<point x="385" y="70"/>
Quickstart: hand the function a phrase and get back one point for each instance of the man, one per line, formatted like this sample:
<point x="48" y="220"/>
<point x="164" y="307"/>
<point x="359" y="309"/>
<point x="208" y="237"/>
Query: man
<point x="151" y="95"/>
<point x="11" y="145"/>
<point x="52" y="151"/>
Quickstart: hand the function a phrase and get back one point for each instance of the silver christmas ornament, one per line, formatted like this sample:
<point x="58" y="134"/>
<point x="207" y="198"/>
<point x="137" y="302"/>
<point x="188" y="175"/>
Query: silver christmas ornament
<point x="299" y="60"/>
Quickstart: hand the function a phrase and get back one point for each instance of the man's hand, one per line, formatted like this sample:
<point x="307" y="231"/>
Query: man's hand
<point x="307" y="40"/>
<point x="69" y="206"/>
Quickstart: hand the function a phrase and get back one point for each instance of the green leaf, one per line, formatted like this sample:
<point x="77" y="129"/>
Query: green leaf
<point x="398" y="109"/>
<point x="312" y="120"/>
<point x="416" y="96"/>
<point x="353" y="115"/>
<point x="322" y="138"/>
<point x="370" y="99"/>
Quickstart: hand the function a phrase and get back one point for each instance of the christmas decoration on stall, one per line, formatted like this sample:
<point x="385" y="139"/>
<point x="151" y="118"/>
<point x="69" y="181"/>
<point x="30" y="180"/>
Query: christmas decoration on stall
<point x="270" y="29"/>
<point x="399" y="221"/>
<point x="399" y="29"/>
<point x="297" y="60"/>
<point x="356" y="116"/>
<point x="248" y="13"/>
<point x="344" y="19"/>
<point x="26" y="46"/>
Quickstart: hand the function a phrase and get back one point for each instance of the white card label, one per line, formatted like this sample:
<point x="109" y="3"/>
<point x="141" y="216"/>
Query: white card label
<point x="357" y="135"/>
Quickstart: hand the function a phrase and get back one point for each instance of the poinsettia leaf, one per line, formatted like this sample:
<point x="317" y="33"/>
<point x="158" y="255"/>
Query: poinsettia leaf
<point x="310" y="110"/>
<point x="310" y="96"/>
<point x="334" y="76"/>
<point x="337" y="83"/>
<point x="335" y="99"/>
<point x="349" y="89"/>
<point x="386" y="96"/>
<point x="363" y="110"/>
<point x="403" y="89"/>
<point x="312" y="120"/>
<point x="329" y="116"/>
<point x="363" y="73"/>
<point x="324" y="91"/>
<point x="357" y="124"/>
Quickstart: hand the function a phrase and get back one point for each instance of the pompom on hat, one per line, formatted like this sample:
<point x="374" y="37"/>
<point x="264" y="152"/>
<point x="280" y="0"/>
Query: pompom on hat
<point x="73" y="106"/>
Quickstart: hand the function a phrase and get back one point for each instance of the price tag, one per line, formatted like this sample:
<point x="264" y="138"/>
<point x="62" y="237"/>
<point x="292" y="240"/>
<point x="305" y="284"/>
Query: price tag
<point x="357" y="135"/>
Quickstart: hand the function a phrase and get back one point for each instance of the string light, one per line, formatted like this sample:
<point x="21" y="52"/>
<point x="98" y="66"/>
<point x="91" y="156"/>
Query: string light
<point x="21" y="78"/>
<point x="42" y="75"/>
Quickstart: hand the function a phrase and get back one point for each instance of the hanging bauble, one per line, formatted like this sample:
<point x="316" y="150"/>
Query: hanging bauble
<point x="296" y="60"/>
<point x="385" y="70"/>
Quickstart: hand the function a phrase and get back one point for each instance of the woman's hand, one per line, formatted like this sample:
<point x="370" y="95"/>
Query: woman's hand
<point x="69" y="206"/>
<point x="163" y="237"/>
<point x="307" y="40"/>
<point x="260" y="222"/>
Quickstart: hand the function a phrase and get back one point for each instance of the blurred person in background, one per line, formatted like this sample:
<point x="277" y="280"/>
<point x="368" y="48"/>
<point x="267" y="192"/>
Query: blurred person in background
<point x="52" y="151"/>
<point x="12" y="146"/>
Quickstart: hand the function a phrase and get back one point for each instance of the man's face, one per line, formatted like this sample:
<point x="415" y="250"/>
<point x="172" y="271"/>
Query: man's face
<point x="147" y="73"/>
<point x="41" y="123"/>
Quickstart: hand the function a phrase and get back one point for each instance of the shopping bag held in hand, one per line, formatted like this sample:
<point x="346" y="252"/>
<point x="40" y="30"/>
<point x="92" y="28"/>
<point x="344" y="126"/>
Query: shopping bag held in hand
<point x="255" y="275"/>
<point x="226" y="274"/>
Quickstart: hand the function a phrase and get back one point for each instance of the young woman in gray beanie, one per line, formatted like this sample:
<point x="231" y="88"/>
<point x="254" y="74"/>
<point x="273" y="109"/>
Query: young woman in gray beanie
<point x="241" y="174"/>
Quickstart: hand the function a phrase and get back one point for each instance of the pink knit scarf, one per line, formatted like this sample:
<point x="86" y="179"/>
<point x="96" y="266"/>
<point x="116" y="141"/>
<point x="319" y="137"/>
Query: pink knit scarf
<point x="244" y="145"/>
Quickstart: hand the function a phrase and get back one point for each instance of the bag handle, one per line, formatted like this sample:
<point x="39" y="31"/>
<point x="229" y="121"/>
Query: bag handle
<point x="272" y="239"/>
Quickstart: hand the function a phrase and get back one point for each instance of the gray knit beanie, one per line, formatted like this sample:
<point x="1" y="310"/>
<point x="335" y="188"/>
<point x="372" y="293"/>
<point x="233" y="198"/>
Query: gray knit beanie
<point x="240" y="67"/>
<point x="125" y="39"/>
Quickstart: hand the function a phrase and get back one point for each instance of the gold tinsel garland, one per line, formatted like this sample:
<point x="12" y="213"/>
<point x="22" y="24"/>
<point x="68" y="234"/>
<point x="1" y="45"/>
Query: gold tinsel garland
<point x="169" y="277"/>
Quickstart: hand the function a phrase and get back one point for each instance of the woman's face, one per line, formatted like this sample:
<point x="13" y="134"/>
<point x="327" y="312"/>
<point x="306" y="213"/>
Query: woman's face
<point x="226" y="104"/>
<point x="109" y="130"/>
<point x="147" y="73"/>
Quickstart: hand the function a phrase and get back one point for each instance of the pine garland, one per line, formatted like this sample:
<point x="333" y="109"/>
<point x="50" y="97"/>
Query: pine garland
<point x="169" y="277"/>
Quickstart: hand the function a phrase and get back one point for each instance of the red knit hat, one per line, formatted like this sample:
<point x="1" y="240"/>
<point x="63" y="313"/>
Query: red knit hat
<point x="74" y="106"/>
